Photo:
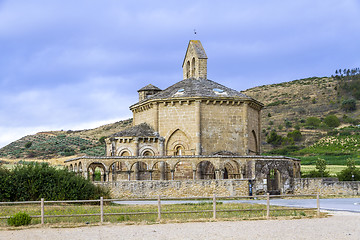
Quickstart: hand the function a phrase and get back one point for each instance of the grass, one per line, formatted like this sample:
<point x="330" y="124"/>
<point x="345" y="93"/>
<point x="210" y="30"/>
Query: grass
<point x="333" y="169"/>
<point x="149" y="213"/>
<point x="330" y="159"/>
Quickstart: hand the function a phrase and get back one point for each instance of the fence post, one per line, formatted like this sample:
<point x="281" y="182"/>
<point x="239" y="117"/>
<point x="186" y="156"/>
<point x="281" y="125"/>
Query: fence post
<point x="159" y="208"/>
<point x="268" y="205"/>
<point x="101" y="209"/>
<point x="42" y="203"/>
<point x="214" y="206"/>
<point x="318" y="204"/>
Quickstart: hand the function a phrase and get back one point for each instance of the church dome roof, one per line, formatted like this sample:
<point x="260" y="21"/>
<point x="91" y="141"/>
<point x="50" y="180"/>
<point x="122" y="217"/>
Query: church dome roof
<point x="149" y="87"/>
<point x="192" y="87"/>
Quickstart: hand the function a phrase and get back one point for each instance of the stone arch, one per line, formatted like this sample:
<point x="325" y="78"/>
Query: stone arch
<point x="139" y="171"/>
<point x="178" y="140"/>
<point x="118" y="171"/>
<point x="183" y="170"/>
<point x="92" y="170"/>
<point x="147" y="151"/>
<point x="193" y="66"/>
<point x="71" y="168"/>
<point x="205" y="170"/>
<point x="75" y="168"/>
<point x="273" y="181"/>
<point x="161" y="171"/>
<point x="231" y="170"/>
<point x="253" y="144"/>
<point x="124" y="151"/>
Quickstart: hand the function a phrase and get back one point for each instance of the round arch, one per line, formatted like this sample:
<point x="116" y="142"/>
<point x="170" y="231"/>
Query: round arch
<point x="139" y="171"/>
<point x="161" y="171"/>
<point x="205" y="170"/>
<point x="97" y="171"/>
<point x="124" y="151"/>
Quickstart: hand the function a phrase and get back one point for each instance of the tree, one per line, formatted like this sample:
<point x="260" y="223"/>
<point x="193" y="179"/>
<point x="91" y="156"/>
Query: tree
<point x="102" y="139"/>
<point x="274" y="139"/>
<point x="28" y="144"/>
<point x="296" y="135"/>
<point x="332" y="121"/>
<point x="321" y="166"/>
<point x="350" y="173"/>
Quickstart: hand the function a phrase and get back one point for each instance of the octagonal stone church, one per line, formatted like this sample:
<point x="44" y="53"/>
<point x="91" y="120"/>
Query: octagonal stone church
<point x="195" y="129"/>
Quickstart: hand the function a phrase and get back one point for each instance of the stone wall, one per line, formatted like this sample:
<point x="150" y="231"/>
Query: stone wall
<point x="190" y="188"/>
<point x="326" y="186"/>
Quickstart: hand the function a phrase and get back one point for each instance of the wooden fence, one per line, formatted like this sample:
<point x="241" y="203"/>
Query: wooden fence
<point x="159" y="200"/>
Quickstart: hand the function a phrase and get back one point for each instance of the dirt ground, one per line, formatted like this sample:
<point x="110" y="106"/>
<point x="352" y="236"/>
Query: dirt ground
<point x="342" y="225"/>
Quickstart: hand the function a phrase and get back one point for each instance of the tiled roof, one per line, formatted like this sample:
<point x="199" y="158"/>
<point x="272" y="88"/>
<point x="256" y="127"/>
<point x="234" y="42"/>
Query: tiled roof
<point x="192" y="87"/>
<point x="149" y="87"/>
<point x="141" y="130"/>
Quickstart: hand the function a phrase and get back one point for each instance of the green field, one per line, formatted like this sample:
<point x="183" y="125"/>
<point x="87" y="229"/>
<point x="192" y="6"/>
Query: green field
<point x="333" y="169"/>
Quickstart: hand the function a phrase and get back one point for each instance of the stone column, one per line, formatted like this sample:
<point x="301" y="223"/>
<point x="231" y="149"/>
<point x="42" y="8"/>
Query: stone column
<point x="107" y="176"/>
<point x="85" y="174"/>
<point x="129" y="175"/>
<point x="198" y="127"/>
<point x="151" y="171"/>
<point x="162" y="169"/>
<point x="172" y="174"/>
<point x="194" y="174"/>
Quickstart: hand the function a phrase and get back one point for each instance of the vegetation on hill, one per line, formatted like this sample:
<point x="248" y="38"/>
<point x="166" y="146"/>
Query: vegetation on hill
<point x="47" y="145"/>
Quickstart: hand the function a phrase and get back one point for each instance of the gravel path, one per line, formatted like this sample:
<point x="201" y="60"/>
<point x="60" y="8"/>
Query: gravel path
<point x="340" y="226"/>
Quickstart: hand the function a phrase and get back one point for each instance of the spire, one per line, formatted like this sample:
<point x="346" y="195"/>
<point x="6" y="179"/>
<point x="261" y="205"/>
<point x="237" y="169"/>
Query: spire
<point x="195" y="61"/>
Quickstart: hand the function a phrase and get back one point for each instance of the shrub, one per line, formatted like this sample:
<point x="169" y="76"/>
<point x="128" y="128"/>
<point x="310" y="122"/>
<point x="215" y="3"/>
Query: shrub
<point x="19" y="219"/>
<point x="350" y="173"/>
<point x="274" y="139"/>
<point x="28" y="144"/>
<point x="332" y="121"/>
<point x="312" y="122"/>
<point x="35" y="181"/>
<point x="296" y="135"/>
<point x="348" y="105"/>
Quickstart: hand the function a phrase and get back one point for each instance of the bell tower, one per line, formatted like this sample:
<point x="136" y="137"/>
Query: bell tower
<point x="195" y="61"/>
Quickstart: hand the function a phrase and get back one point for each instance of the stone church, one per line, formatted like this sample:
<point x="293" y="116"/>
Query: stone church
<point x="195" y="129"/>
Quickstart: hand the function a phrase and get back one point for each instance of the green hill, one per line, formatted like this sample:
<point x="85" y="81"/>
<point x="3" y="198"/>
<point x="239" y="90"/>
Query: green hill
<point x="46" y="145"/>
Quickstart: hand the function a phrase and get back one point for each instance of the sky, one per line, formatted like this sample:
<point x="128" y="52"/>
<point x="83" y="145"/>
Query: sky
<point x="71" y="65"/>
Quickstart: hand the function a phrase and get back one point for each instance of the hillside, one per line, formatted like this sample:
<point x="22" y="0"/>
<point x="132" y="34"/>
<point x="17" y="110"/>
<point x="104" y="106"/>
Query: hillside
<point x="55" y="144"/>
<point x="288" y="106"/>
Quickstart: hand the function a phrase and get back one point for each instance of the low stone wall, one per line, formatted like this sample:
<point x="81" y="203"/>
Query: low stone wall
<point x="326" y="186"/>
<point x="148" y="189"/>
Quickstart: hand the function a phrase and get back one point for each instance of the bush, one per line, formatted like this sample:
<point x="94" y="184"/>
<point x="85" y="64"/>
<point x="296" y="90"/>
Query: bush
<point x="332" y="121"/>
<point x="28" y="144"/>
<point x="348" y="105"/>
<point x="19" y="219"/>
<point x="35" y="181"/>
<point x="296" y="135"/>
<point x="312" y="122"/>
<point x="274" y="139"/>
<point x="350" y="173"/>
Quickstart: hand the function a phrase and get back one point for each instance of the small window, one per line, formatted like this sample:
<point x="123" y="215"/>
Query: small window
<point x="181" y="90"/>
<point x="218" y="90"/>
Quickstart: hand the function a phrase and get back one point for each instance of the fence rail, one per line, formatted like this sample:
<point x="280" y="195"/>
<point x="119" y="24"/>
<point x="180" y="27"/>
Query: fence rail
<point x="159" y="211"/>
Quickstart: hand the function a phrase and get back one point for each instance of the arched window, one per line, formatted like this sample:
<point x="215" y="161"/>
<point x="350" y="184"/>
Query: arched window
<point x="124" y="154"/>
<point x="188" y="69"/>
<point x="193" y="67"/>
<point x="179" y="150"/>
